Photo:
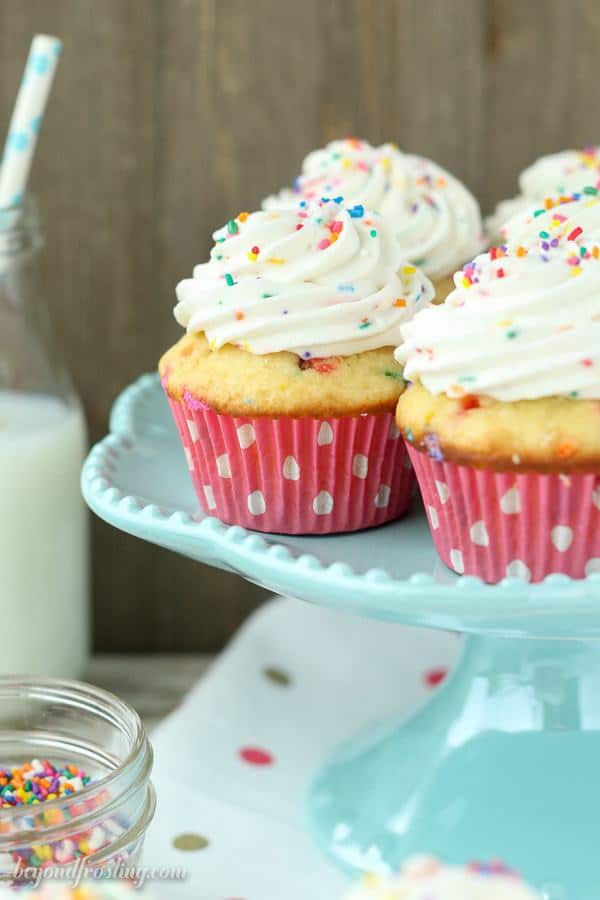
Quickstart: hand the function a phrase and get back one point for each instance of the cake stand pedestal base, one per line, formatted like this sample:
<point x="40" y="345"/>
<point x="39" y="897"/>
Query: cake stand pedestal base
<point x="502" y="763"/>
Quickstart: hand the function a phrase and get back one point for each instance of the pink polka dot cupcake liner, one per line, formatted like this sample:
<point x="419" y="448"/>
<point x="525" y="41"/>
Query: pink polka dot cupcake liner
<point x="500" y="524"/>
<point x="295" y="476"/>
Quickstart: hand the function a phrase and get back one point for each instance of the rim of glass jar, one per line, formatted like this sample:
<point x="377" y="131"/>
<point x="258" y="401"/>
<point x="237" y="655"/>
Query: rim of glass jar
<point x="137" y="764"/>
<point x="131" y="836"/>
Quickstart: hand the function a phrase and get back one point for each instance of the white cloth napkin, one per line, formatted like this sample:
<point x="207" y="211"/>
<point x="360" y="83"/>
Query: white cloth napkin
<point x="294" y="683"/>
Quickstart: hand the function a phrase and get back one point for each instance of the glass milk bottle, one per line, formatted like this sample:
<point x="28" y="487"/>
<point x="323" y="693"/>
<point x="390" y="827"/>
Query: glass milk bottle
<point x="44" y="552"/>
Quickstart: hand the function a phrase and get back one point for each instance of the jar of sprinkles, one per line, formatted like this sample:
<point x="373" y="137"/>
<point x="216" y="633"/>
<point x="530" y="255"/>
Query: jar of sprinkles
<point x="75" y="787"/>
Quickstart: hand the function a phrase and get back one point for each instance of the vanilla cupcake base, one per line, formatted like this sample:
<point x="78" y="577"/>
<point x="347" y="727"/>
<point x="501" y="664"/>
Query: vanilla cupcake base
<point x="233" y="381"/>
<point x="552" y="434"/>
<point x="510" y="489"/>
<point x="279" y="444"/>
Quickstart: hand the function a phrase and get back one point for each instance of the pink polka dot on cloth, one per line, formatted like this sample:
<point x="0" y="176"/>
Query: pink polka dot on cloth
<point x="433" y="677"/>
<point x="256" y="756"/>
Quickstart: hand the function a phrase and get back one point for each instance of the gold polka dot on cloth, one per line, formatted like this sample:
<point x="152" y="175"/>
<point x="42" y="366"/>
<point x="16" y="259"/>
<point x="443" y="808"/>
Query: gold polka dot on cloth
<point x="190" y="842"/>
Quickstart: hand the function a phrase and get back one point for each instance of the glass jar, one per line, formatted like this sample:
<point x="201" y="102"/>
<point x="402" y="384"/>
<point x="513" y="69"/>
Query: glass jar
<point x="44" y="547"/>
<point x="68" y="723"/>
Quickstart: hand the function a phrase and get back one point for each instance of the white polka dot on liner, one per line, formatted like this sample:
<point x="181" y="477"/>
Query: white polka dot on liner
<point x="323" y="503"/>
<point x="433" y="517"/>
<point x="325" y="435"/>
<point x="457" y="562"/>
<point x="209" y="496"/>
<point x="291" y="469"/>
<point x="479" y="534"/>
<point x="510" y="502"/>
<point x="189" y="458"/>
<point x="193" y="429"/>
<point x="382" y="497"/>
<point x="562" y="537"/>
<point x="592" y="566"/>
<point x="223" y="467"/>
<point x="360" y="465"/>
<point x="443" y="491"/>
<point x="256" y="503"/>
<point x="518" y="569"/>
<point x="246" y="436"/>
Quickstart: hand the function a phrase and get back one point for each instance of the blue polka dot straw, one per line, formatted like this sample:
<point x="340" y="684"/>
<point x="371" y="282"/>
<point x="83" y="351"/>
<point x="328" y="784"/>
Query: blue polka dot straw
<point x="27" y="117"/>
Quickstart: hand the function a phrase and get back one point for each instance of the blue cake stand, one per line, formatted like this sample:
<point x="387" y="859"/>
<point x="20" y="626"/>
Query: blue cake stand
<point x="502" y="763"/>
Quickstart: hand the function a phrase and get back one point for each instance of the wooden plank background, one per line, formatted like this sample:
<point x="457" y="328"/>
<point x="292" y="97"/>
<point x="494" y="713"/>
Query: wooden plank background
<point x="170" y="115"/>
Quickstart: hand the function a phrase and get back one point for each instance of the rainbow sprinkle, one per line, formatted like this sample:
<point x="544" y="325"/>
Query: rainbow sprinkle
<point x="38" y="781"/>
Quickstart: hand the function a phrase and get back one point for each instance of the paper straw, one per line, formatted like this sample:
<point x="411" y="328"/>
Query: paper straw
<point x="27" y="118"/>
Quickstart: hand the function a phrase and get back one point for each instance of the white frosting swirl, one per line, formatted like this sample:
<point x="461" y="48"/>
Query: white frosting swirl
<point x="316" y="280"/>
<point x="559" y="173"/>
<point x="435" y="219"/>
<point x="522" y="323"/>
<point x="585" y="211"/>
<point x="424" y="878"/>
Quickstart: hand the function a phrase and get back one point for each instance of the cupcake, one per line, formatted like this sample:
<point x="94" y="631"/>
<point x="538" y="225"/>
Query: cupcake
<point x="559" y="173"/>
<point x="502" y="418"/>
<point x="435" y="219"/>
<point x="425" y="878"/>
<point x="285" y="385"/>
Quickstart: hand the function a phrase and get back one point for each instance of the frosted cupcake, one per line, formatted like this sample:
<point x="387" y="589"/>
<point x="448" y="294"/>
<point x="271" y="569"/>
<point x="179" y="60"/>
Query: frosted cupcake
<point x="502" y="420"/>
<point x="435" y="219"/>
<point x="425" y="878"/>
<point x="285" y="385"/>
<point x="562" y="173"/>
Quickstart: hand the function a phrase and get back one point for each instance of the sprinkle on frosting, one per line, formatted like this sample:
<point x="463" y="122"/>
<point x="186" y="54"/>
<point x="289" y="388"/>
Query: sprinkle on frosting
<point x="559" y="174"/>
<point x="435" y="219"/>
<point x="337" y="285"/>
<point x="583" y="205"/>
<point x="524" y="319"/>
